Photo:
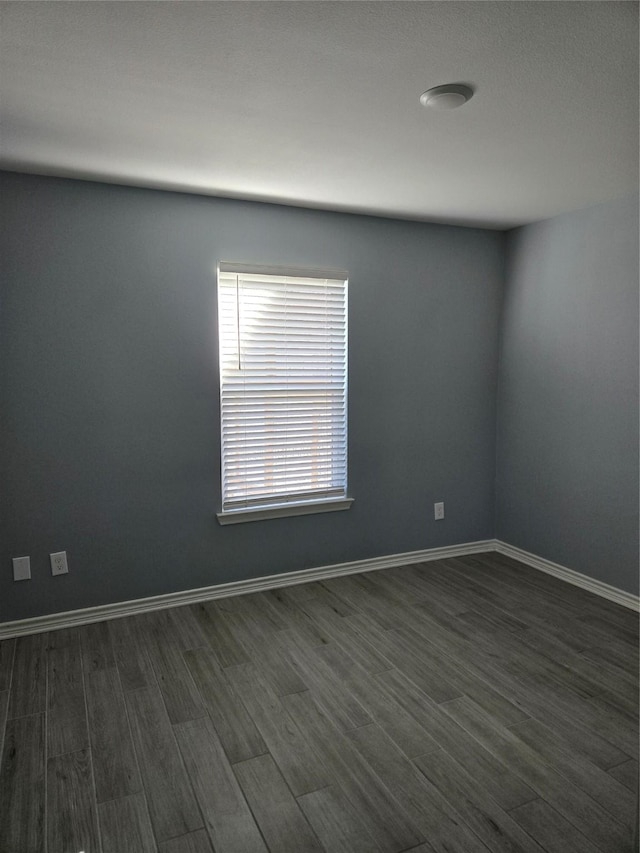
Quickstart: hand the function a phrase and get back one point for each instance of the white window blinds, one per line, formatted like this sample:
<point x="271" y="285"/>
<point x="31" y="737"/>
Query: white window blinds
<point x="283" y="386"/>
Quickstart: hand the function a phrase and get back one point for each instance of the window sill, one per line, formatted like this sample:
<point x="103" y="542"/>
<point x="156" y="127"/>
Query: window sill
<point x="238" y="516"/>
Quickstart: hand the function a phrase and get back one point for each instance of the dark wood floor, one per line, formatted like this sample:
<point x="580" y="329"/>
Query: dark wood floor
<point x="470" y="704"/>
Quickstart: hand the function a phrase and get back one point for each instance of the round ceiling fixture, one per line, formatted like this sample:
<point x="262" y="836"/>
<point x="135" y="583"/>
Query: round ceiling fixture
<point x="446" y="97"/>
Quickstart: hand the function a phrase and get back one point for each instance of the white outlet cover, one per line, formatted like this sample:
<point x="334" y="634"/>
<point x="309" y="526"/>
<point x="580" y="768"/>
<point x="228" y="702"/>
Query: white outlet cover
<point x="438" y="510"/>
<point x="21" y="569"/>
<point x="59" y="563"/>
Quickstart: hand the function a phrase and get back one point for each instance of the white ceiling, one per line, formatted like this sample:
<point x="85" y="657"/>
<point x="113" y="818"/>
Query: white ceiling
<point x="317" y="103"/>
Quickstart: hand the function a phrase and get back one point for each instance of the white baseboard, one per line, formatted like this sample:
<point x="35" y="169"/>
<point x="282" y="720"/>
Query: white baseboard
<point x="55" y="621"/>
<point x="70" y="618"/>
<point x="605" y="590"/>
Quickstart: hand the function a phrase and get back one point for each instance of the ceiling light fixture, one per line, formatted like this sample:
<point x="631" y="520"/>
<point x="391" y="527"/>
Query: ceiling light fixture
<point x="446" y="97"/>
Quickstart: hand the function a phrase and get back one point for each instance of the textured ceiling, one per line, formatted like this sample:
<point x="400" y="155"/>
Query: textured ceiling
<point x="317" y="103"/>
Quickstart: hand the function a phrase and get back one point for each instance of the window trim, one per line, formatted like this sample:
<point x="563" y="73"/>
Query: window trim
<point x="237" y="516"/>
<point x="291" y="506"/>
<point x="294" y="272"/>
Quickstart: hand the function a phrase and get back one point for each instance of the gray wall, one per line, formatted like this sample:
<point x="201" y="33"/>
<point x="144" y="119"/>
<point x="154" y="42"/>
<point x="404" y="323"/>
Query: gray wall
<point x="108" y="388"/>
<point x="567" y="462"/>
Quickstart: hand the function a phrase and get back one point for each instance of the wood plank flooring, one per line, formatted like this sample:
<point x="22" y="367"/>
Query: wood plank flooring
<point x="470" y="704"/>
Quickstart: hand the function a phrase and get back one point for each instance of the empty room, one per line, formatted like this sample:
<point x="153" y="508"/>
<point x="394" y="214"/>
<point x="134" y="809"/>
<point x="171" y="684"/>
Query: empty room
<point x="319" y="449"/>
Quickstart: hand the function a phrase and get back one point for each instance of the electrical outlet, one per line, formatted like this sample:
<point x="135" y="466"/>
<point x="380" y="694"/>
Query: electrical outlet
<point x="21" y="569"/>
<point x="59" y="563"/>
<point x="438" y="511"/>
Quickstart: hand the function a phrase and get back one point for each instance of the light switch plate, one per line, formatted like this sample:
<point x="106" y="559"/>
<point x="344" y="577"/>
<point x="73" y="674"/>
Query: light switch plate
<point x="21" y="569"/>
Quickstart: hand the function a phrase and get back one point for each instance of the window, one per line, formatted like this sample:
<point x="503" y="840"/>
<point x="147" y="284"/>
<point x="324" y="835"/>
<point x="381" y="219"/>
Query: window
<point x="283" y="391"/>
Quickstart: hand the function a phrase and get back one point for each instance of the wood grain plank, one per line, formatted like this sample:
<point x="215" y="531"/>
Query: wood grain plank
<point x="363" y="626"/>
<point x="194" y="842"/>
<point x="426" y="808"/>
<point x="267" y="653"/>
<point x="465" y="679"/>
<point x="422" y="848"/>
<point x="223" y="644"/>
<point x="163" y="646"/>
<point x="335" y="822"/>
<point x="539" y="586"/>
<point x="367" y="599"/>
<point x="611" y="611"/>
<point x="339" y="607"/>
<point x="227" y="817"/>
<point x="403" y="729"/>
<point x="299" y="592"/>
<point x="97" y="651"/>
<point x="28" y="683"/>
<point x="627" y="774"/>
<point x="494" y="601"/>
<point x="279" y="817"/>
<point x="602" y="656"/>
<point x="604" y="789"/>
<point x="609" y="648"/>
<point x="114" y="765"/>
<point x="567" y="684"/>
<point x="582" y="737"/>
<point x="294" y="618"/>
<point x="537" y="659"/>
<point x="230" y="603"/>
<point x="551" y="830"/>
<point x="237" y="731"/>
<point x="548" y="708"/>
<point x="22" y="786"/>
<point x="430" y="592"/>
<point x="571" y="630"/>
<point x="607" y="680"/>
<point x="7" y="651"/>
<point x="125" y="826"/>
<point x="343" y="635"/>
<point x="393" y="587"/>
<point x="549" y="688"/>
<point x="506" y="576"/>
<point x="377" y="596"/>
<point x="507" y="789"/>
<point x="604" y="677"/>
<point x="130" y="653"/>
<point x="408" y="653"/>
<point x="545" y="706"/>
<point x="623" y="633"/>
<point x="62" y="638"/>
<point x="575" y="805"/>
<point x="263" y="611"/>
<point x="494" y="618"/>
<point x="478" y="810"/>
<point x="66" y="713"/>
<point x="385" y="817"/>
<point x="523" y="598"/>
<point x="340" y="705"/>
<point x="185" y="623"/>
<point x="297" y="761"/>
<point x="4" y="710"/>
<point x="71" y="808"/>
<point x="172" y="806"/>
<point x="617" y="719"/>
<point x="622" y="696"/>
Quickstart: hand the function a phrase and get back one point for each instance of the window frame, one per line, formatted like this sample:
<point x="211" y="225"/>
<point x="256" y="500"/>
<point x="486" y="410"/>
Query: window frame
<point x="289" y="506"/>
